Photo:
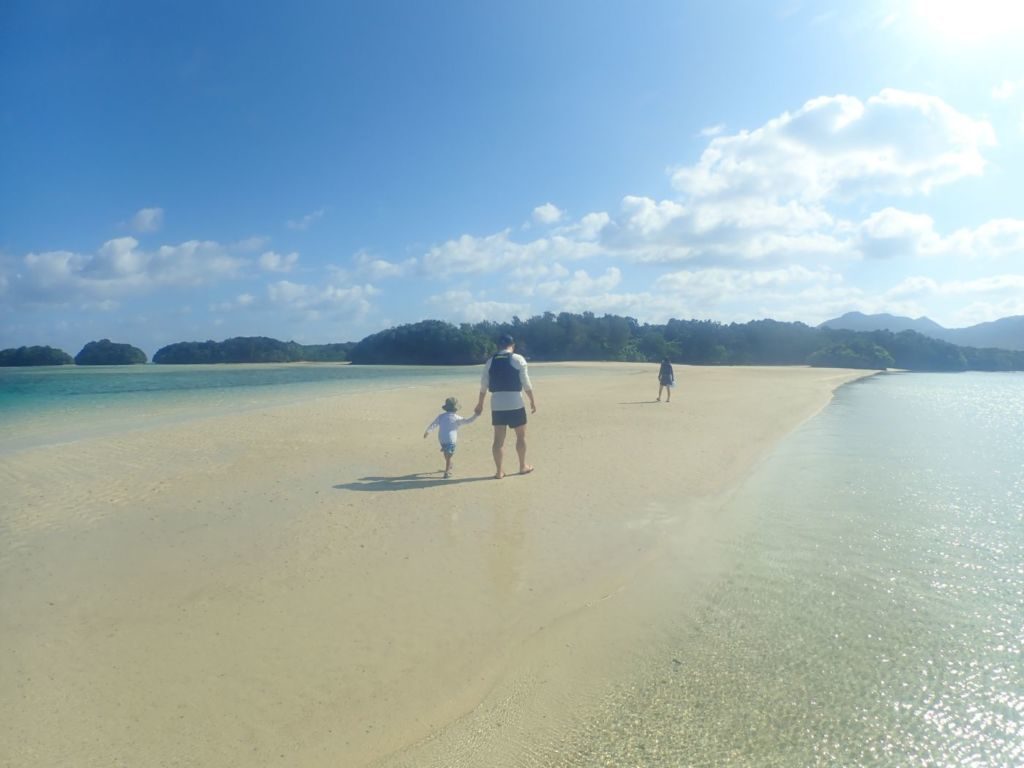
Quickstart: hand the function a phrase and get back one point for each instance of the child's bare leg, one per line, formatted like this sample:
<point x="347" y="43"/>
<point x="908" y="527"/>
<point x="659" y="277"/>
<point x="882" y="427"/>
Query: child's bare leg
<point x="447" y="464"/>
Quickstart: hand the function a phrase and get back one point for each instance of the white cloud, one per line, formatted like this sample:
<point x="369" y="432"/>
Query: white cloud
<point x="892" y="232"/>
<point x="648" y="217"/>
<point x="1007" y="89"/>
<point x="192" y="263"/>
<point x="148" y="219"/>
<point x="524" y="279"/>
<point x="713" y="130"/>
<point x="305" y="222"/>
<point x="381" y="269"/>
<point x="347" y="299"/>
<point x="251" y="244"/>
<point x="587" y="228"/>
<point x="990" y="298"/>
<point x="581" y="284"/>
<point x="840" y="147"/>
<point x="760" y="214"/>
<point x="547" y="214"/>
<point x="997" y="238"/>
<point x="591" y="225"/>
<point x="119" y="268"/>
<point x="275" y="262"/>
<point x="993" y="286"/>
<point x="118" y="258"/>
<point x="469" y="255"/>
<point x="747" y="230"/>
<point x="987" y="311"/>
<point x="472" y="255"/>
<point x="464" y="306"/>
<point x="708" y="287"/>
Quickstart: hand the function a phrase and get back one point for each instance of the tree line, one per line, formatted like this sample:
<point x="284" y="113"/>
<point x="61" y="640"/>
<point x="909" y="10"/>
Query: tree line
<point x="568" y="336"/>
<point x="251" y="349"/>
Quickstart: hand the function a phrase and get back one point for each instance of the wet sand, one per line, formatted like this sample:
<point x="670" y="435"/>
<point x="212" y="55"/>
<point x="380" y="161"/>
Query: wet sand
<point x="298" y="586"/>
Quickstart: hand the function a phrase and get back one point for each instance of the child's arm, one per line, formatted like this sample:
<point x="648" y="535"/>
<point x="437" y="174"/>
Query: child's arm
<point x="433" y="425"/>
<point x="468" y="419"/>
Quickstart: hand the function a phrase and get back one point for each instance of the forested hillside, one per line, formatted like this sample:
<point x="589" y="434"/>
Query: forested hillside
<point x="586" y="336"/>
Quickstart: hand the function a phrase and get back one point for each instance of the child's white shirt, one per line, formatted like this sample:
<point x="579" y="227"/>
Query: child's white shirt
<point x="448" y="425"/>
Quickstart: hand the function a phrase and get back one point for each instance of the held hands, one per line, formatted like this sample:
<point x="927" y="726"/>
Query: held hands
<point x="479" y="409"/>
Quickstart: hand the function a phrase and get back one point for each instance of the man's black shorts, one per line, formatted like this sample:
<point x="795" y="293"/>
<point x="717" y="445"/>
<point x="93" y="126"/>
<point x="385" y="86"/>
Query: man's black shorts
<point x="516" y="418"/>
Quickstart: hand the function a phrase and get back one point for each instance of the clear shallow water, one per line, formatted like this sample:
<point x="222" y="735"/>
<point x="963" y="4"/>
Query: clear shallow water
<point x="872" y="609"/>
<point x="39" y="406"/>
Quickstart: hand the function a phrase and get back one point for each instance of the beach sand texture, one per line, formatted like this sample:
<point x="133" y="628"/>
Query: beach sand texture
<point x="297" y="586"/>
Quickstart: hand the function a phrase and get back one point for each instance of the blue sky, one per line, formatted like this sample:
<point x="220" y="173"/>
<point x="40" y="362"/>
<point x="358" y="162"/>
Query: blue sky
<point x="320" y="171"/>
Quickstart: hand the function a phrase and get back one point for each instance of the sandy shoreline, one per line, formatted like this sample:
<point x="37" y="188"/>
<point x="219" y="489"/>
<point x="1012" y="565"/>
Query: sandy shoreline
<point x="297" y="586"/>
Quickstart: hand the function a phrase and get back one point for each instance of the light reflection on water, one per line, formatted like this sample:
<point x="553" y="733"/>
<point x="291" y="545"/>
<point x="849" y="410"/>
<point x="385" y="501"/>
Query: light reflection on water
<point x="875" y="611"/>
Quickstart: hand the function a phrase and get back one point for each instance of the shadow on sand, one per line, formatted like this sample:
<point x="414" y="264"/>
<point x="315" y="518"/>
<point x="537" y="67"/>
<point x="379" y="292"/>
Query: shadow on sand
<point x="640" y="402"/>
<point x="406" y="482"/>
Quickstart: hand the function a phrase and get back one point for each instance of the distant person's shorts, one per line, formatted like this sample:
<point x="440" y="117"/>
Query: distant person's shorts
<point x="448" y="448"/>
<point x="516" y="418"/>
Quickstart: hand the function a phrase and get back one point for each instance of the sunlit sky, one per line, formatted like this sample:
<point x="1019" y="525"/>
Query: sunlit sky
<point x="319" y="171"/>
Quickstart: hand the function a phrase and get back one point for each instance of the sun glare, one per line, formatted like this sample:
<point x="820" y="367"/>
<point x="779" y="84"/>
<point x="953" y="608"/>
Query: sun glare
<point x="972" y="21"/>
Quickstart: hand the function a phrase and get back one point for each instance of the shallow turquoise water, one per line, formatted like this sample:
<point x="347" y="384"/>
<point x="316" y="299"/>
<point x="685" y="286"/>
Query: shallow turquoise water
<point x="871" y="612"/>
<point x="39" y="406"/>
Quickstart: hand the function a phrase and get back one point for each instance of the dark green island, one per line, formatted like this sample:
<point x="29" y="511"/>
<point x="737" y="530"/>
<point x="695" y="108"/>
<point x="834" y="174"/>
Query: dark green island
<point x="567" y="337"/>
<point x="28" y="356"/>
<point x="107" y="352"/>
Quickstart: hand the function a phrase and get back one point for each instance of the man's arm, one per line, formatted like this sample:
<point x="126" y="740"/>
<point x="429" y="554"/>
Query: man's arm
<point x="524" y="378"/>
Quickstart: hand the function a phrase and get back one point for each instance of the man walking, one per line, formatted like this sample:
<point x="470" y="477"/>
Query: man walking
<point x="505" y="377"/>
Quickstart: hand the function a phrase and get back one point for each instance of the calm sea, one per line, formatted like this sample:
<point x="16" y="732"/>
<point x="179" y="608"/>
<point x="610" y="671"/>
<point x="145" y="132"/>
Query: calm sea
<point x="872" y="609"/>
<point x="39" y="406"/>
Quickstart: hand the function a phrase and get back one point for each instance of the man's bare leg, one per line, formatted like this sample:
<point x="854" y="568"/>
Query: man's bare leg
<point x="521" y="450"/>
<point x="497" y="449"/>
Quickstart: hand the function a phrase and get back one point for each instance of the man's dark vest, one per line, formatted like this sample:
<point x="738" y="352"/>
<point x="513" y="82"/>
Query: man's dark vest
<point x="502" y="376"/>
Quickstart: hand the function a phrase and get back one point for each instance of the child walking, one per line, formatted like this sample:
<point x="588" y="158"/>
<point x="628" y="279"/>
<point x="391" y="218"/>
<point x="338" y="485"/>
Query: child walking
<point x="447" y="423"/>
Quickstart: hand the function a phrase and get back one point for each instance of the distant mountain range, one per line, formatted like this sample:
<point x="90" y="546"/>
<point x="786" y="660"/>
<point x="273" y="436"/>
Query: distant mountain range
<point x="1005" y="333"/>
